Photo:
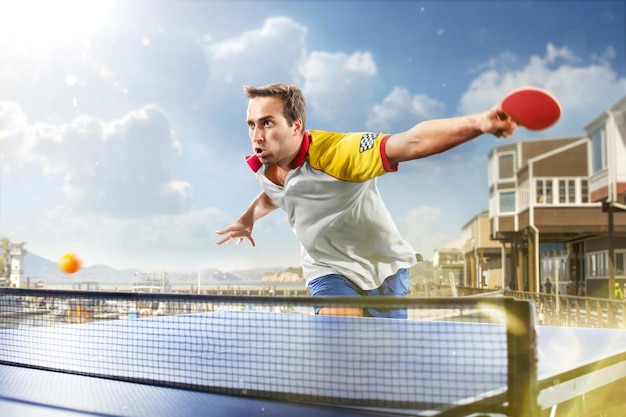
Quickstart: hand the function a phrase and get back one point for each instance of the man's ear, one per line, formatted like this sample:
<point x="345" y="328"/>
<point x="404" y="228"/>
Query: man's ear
<point x="297" y="127"/>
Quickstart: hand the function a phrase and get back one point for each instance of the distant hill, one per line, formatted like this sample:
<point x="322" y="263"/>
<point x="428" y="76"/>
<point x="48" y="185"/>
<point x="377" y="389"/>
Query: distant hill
<point x="41" y="269"/>
<point x="256" y="274"/>
<point x="206" y="274"/>
<point x="37" y="268"/>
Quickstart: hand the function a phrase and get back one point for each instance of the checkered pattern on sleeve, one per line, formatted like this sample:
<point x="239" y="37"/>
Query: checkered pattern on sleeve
<point x="367" y="141"/>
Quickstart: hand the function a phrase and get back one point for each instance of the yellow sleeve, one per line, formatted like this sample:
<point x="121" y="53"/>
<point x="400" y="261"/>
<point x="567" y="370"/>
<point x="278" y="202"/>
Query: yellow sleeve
<point x="350" y="156"/>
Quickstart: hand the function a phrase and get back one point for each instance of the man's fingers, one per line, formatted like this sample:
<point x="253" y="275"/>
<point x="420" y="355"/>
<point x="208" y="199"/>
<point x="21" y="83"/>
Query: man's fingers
<point x="223" y="231"/>
<point x="248" y="238"/>
<point x="235" y="231"/>
<point x="236" y="235"/>
<point x="226" y="239"/>
<point x="506" y="126"/>
<point x="502" y="115"/>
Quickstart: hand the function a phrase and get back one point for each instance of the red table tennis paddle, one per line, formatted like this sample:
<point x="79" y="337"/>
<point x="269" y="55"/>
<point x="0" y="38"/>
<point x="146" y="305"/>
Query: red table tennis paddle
<point x="532" y="108"/>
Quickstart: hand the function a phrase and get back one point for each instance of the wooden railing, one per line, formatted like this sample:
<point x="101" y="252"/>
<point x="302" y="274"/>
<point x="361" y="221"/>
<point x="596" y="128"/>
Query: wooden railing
<point x="573" y="311"/>
<point x="567" y="311"/>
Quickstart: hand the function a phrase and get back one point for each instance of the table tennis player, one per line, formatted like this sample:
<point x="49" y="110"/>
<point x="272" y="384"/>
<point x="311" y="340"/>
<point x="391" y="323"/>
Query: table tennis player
<point x="326" y="183"/>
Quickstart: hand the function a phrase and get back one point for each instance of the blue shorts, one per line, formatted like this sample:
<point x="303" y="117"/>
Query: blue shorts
<point x="396" y="285"/>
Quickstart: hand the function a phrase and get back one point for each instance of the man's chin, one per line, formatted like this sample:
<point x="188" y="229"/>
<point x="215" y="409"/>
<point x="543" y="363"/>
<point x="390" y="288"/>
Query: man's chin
<point x="266" y="159"/>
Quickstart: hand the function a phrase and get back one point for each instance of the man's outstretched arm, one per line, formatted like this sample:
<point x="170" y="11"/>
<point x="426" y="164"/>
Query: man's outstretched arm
<point x="435" y="136"/>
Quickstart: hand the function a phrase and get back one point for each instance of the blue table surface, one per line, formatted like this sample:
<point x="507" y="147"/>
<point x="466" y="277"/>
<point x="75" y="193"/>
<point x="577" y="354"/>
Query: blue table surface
<point x="354" y="359"/>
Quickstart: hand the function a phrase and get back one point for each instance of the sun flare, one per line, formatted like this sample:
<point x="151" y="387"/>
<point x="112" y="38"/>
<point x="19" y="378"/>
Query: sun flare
<point x="41" y="22"/>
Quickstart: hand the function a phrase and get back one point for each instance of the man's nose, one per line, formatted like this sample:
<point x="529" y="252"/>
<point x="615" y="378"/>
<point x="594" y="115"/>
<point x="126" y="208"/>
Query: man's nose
<point x="257" y="134"/>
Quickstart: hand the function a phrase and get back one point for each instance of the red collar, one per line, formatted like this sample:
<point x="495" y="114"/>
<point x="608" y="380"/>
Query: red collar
<point x="304" y="150"/>
<point x="255" y="164"/>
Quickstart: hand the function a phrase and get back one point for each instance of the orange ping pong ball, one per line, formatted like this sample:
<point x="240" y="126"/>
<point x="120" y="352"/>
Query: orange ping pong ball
<point x="69" y="263"/>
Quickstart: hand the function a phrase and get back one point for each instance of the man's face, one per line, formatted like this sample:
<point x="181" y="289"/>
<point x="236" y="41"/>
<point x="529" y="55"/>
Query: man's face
<point x="273" y="140"/>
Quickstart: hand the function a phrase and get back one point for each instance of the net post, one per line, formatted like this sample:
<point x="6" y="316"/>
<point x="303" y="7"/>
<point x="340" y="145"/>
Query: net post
<point x="522" y="358"/>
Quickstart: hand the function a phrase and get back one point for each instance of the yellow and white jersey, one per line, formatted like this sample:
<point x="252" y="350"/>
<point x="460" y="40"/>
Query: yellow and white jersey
<point x="336" y="211"/>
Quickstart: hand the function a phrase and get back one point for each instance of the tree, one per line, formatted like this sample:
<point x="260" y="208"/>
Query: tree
<point x="5" y="257"/>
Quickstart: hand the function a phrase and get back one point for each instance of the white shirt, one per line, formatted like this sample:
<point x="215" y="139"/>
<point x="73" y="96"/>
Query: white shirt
<point x="336" y="211"/>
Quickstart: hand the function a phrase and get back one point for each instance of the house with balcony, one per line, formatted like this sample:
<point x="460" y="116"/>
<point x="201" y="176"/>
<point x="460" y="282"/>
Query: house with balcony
<point x="556" y="207"/>
<point x="605" y="256"/>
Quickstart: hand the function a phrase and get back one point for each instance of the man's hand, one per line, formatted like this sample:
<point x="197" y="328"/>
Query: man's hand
<point x="242" y="228"/>
<point x="496" y="122"/>
<point x="238" y="230"/>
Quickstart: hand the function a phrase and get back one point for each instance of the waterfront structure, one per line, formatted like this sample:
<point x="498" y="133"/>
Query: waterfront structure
<point x="448" y="264"/>
<point x="151" y="282"/>
<point x="556" y="207"/>
<point x="483" y="257"/>
<point x="11" y="264"/>
<point x="86" y="286"/>
<point x="606" y="260"/>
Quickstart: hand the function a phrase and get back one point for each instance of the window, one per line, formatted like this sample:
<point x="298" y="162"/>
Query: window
<point x="597" y="264"/>
<point x="567" y="191"/>
<point x="544" y="191"/>
<point x="562" y="191"/>
<point x="620" y="264"/>
<point x="507" y="202"/>
<point x="598" y="149"/>
<point x="584" y="191"/>
<point x="554" y="267"/>
<point x="571" y="191"/>
<point x="506" y="166"/>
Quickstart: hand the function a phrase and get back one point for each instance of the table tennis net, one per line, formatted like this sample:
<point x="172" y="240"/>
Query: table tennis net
<point x="441" y="358"/>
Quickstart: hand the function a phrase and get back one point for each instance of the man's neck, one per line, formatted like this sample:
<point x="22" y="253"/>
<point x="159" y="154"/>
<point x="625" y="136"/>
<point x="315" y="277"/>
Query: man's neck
<point x="277" y="174"/>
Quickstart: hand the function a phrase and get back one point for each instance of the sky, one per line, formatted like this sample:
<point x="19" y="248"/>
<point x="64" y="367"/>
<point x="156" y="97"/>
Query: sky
<point x="122" y="123"/>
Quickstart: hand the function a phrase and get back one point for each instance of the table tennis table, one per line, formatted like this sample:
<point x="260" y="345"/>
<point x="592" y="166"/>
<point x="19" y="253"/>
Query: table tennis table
<point x="235" y="371"/>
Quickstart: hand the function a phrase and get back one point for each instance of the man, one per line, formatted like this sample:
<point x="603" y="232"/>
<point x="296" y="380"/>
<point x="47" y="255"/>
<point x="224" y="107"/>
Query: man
<point x="618" y="293"/>
<point x="547" y="285"/>
<point x="326" y="182"/>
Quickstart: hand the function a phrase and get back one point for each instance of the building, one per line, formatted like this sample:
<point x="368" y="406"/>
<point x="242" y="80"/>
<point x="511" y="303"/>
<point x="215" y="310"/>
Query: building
<point x="448" y="264"/>
<point x="11" y="263"/>
<point x="484" y="259"/>
<point x="151" y="282"/>
<point x="556" y="208"/>
<point x="605" y="256"/>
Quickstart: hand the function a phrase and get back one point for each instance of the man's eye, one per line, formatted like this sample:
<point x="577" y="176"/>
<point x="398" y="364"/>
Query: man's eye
<point x="267" y="123"/>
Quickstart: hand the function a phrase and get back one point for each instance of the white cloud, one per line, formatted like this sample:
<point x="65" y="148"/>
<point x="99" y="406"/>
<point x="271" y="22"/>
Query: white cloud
<point x="275" y="30"/>
<point x="606" y="57"/>
<point x="361" y="62"/>
<point x="13" y="126"/>
<point x="553" y="54"/>
<point x="259" y="56"/>
<point x="184" y="241"/>
<point x="400" y="110"/>
<point x="423" y="229"/>
<point x="122" y="168"/>
<point x="583" y="90"/>
<point x="153" y="241"/>
<point x="438" y="195"/>
<point x="337" y="85"/>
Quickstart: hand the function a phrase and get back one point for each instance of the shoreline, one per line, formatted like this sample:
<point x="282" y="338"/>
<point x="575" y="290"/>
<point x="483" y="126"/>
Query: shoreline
<point x="205" y="288"/>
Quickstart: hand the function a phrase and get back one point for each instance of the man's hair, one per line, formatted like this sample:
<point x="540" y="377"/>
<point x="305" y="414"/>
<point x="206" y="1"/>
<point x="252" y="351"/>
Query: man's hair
<point x="294" y="106"/>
